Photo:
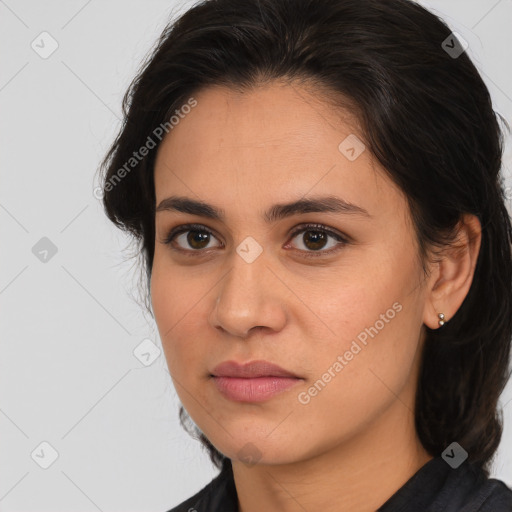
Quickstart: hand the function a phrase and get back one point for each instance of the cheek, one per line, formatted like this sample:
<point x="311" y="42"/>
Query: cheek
<point x="363" y="300"/>
<point x="374" y="323"/>
<point x="170" y="314"/>
<point x="178" y="306"/>
<point x="353" y="382"/>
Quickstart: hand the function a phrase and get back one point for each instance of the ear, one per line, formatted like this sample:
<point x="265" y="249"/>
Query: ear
<point x="453" y="273"/>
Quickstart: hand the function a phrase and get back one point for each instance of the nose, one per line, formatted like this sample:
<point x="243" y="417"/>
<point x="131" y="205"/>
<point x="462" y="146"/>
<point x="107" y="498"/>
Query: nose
<point x="249" y="297"/>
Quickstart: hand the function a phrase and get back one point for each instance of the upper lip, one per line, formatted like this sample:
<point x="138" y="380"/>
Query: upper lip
<point x="252" y="369"/>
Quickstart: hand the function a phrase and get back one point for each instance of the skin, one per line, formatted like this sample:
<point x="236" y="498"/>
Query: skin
<point x="354" y="444"/>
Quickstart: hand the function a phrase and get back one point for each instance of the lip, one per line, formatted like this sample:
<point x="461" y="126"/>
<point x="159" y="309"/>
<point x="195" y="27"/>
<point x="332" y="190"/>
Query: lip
<point x="253" y="369"/>
<point x="257" y="389"/>
<point x="256" y="381"/>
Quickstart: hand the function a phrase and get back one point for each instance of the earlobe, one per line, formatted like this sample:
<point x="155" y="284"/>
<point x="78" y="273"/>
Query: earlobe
<point x="450" y="284"/>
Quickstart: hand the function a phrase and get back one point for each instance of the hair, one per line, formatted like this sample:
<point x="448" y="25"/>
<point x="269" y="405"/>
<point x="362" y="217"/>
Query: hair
<point x="425" y="115"/>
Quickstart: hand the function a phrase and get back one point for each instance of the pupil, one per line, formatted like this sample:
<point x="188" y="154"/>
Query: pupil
<point x="317" y="239"/>
<point x="195" y="238"/>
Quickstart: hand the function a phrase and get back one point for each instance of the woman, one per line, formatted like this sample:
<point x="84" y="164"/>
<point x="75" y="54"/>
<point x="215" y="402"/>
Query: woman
<point x="315" y="188"/>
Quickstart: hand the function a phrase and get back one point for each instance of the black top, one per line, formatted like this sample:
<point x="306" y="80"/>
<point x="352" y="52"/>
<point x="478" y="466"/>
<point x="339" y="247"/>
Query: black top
<point x="435" y="487"/>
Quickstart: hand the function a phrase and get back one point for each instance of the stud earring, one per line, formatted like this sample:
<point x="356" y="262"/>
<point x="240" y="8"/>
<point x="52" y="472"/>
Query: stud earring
<point x="441" y="319"/>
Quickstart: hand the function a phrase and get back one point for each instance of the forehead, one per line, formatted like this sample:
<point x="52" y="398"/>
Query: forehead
<point x="278" y="141"/>
<point x="270" y="114"/>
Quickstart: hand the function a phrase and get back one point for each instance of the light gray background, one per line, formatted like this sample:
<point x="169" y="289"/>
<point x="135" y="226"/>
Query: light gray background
<point x="68" y="375"/>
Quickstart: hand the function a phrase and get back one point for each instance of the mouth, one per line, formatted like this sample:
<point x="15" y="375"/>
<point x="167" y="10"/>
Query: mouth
<point x="253" y="369"/>
<point x="256" y="381"/>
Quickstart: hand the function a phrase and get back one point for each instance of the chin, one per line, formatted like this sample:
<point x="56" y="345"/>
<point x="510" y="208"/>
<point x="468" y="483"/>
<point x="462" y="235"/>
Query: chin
<point x="258" y="449"/>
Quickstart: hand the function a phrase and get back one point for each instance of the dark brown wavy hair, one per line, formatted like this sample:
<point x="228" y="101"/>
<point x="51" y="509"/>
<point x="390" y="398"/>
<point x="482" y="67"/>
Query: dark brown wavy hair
<point x="425" y="114"/>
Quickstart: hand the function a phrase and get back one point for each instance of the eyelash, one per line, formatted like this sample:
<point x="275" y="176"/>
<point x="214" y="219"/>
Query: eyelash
<point x="300" y="229"/>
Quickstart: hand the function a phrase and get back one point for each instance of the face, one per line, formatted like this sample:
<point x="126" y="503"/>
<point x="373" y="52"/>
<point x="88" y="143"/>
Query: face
<point x="334" y="296"/>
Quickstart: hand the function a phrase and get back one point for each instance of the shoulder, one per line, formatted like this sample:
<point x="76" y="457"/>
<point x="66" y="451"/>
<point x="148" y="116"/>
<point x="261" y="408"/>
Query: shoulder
<point x="478" y="493"/>
<point x="493" y="496"/>
<point x="439" y="487"/>
<point x="217" y="496"/>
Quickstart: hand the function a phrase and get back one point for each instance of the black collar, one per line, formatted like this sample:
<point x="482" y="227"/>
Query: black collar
<point x="435" y="487"/>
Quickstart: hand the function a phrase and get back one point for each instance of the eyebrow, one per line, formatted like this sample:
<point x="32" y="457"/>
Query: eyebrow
<point x="275" y="212"/>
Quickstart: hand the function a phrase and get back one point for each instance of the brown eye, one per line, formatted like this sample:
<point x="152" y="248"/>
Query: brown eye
<point x="315" y="238"/>
<point x="195" y="237"/>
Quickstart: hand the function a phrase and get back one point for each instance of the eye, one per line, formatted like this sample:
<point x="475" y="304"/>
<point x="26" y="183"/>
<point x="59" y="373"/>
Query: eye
<point x="196" y="236"/>
<point x="314" y="239"/>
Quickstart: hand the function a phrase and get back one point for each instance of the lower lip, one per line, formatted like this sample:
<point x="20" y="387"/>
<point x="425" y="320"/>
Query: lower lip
<point x="253" y="390"/>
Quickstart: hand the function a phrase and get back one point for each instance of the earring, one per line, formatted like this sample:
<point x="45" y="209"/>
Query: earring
<point x="441" y="319"/>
